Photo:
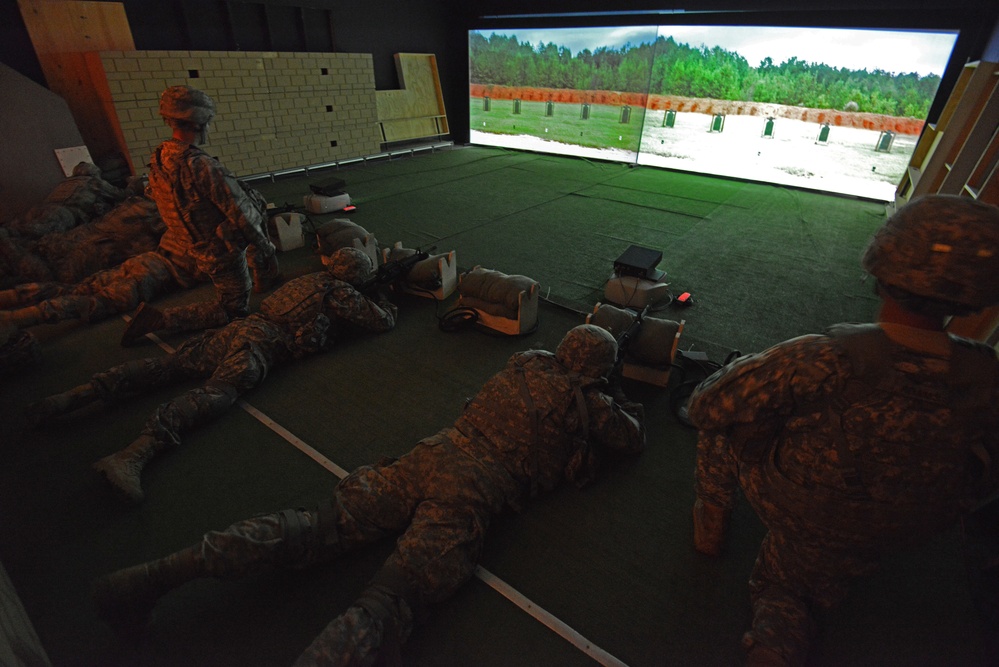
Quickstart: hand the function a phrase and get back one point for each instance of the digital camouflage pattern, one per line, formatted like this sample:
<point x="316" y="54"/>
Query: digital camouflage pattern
<point x="845" y="455"/>
<point x="213" y="218"/>
<point x="589" y="350"/>
<point x="238" y="356"/>
<point x="437" y="500"/>
<point x="129" y="229"/>
<point x="187" y="104"/>
<point x="941" y="247"/>
<point x="120" y="289"/>
<point x="74" y="201"/>
<point x="351" y="265"/>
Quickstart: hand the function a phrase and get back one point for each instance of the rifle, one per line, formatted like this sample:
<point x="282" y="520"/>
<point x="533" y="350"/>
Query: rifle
<point x="625" y="339"/>
<point x="395" y="270"/>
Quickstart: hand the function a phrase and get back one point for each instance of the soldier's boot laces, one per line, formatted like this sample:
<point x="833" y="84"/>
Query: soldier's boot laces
<point x="146" y="319"/>
<point x="22" y="318"/>
<point x="60" y="404"/>
<point x="710" y="527"/>
<point x="123" y="469"/>
<point x="125" y="599"/>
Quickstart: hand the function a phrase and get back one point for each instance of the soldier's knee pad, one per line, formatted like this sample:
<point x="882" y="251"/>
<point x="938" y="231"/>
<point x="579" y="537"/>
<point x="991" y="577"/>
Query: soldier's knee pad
<point x="390" y="607"/>
<point x="297" y="536"/>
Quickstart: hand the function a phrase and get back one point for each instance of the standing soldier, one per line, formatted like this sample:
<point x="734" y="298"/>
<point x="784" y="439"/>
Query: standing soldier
<point x="214" y="219"/>
<point x="544" y="418"/>
<point x="301" y="318"/>
<point x="867" y="439"/>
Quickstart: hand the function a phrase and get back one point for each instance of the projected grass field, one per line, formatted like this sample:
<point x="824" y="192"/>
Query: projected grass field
<point x="601" y="128"/>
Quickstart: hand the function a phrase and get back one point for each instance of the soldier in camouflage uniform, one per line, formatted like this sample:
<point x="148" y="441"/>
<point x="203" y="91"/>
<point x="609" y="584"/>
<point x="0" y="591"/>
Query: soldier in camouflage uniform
<point x="120" y="289"/>
<point x="75" y="201"/>
<point x="299" y="319"/>
<point x="214" y="219"/>
<point x="866" y="439"/>
<point x="544" y="418"/>
<point x="131" y="228"/>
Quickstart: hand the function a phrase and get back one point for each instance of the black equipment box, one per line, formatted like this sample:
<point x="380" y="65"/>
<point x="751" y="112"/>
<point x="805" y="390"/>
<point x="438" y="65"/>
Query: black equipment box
<point x="330" y="188"/>
<point x="639" y="262"/>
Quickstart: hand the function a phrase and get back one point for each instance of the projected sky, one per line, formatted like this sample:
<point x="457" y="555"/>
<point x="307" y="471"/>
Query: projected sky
<point x="895" y="51"/>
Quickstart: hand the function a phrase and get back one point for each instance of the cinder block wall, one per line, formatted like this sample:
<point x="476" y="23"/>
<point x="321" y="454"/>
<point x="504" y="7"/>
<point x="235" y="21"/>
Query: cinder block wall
<point x="275" y="110"/>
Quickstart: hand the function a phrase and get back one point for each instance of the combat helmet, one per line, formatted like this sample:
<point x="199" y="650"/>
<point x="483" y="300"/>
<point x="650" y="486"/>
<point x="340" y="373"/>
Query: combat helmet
<point x="87" y="169"/>
<point x="588" y="350"/>
<point x="351" y="265"/>
<point x="188" y="105"/>
<point x="943" y="250"/>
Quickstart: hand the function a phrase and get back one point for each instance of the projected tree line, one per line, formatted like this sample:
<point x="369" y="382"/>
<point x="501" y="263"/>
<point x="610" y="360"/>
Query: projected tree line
<point x="665" y="67"/>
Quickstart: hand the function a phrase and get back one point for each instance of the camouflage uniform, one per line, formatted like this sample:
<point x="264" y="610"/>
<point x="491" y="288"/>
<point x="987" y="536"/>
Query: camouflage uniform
<point x="75" y="201"/>
<point x="129" y="229"/>
<point x="120" y="289"/>
<point x="214" y="218"/>
<point x="531" y="425"/>
<point x="237" y="357"/>
<point x="301" y="318"/>
<point x="846" y="445"/>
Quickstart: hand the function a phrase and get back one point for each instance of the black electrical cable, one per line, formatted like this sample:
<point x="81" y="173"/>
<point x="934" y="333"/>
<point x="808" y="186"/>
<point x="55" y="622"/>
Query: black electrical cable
<point x="457" y="319"/>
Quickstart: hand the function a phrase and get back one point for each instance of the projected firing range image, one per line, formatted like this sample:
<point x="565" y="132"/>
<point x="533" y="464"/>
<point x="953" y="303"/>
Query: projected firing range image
<point x="831" y="110"/>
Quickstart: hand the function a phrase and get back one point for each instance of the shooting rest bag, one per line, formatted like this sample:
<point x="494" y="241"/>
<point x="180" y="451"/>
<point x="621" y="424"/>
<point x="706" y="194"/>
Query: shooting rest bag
<point x="339" y="233"/>
<point x="652" y="345"/>
<point x="494" y="292"/>
<point x="285" y="231"/>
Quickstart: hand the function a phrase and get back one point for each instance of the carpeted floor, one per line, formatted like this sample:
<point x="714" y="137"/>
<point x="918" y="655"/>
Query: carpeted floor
<point x="613" y="562"/>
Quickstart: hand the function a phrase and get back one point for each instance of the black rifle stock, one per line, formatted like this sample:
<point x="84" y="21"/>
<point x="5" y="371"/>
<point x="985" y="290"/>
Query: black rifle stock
<point x="396" y="269"/>
<point x="627" y="337"/>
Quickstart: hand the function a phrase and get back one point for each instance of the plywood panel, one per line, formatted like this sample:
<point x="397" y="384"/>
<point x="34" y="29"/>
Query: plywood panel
<point x="39" y="122"/>
<point x="416" y="110"/>
<point x="62" y="32"/>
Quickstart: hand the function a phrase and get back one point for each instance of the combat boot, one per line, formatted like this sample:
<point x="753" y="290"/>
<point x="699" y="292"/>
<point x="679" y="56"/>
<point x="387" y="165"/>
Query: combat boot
<point x="710" y="527"/>
<point x="22" y="318"/>
<point x="60" y="404"/>
<point x="145" y="320"/>
<point x="125" y="599"/>
<point x="123" y="469"/>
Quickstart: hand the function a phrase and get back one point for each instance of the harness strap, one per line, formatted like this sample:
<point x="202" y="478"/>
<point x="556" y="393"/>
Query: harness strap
<point x="182" y="215"/>
<point x="534" y="419"/>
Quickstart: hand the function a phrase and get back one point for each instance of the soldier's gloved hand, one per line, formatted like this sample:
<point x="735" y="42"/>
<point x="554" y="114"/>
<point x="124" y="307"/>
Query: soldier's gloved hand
<point x="387" y="305"/>
<point x="265" y="277"/>
<point x="135" y="186"/>
<point x="311" y="337"/>
<point x="636" y="410"/>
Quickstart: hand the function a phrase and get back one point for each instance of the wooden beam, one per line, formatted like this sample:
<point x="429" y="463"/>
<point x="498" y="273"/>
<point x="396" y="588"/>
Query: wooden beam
<point x="62" y="32"/>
